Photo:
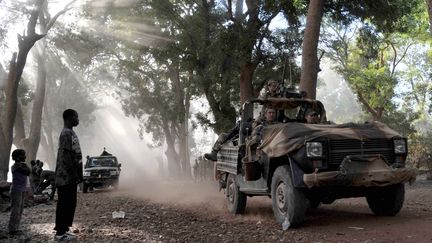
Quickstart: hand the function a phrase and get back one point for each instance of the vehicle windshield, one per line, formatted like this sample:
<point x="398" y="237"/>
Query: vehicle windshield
<point x="288" y="112"/>
<point x="102" y="162"/>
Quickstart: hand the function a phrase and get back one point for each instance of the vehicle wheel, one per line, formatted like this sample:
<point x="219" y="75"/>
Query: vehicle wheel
<point x="387" y="201"/>
<point x="236" y="199"/>
<point x="85" y="188"/>
<point x="287" y="201"/>
<point x="116" y="185"/>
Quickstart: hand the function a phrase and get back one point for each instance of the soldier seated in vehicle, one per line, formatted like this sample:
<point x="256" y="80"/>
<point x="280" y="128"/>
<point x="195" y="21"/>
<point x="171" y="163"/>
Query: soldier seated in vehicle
<point x="255" y="139"/>
<point x="223" y="138"/>
<point x="270" y="119"/>
<point x="312" y="116"/>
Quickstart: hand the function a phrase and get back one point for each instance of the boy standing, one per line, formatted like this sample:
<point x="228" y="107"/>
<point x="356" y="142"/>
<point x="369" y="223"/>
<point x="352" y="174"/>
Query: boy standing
<point x="67" y="175"/>
<point x="20" y="173"/>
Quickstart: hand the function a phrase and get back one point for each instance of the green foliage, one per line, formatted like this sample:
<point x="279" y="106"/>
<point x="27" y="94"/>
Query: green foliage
<point x="401" y="121"/>
<point x="375" y="84"/>
<point x="420" y="151"/>
<point x="387" y="16"/>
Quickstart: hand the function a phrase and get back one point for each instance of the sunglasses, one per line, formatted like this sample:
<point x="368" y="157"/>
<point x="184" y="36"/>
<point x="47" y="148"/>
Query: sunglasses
<point x="313" y="114"/>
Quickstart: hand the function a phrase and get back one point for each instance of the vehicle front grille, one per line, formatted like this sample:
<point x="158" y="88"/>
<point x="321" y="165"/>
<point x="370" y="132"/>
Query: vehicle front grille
<point x="103" y="173"/>
<point x="339" y="149"/>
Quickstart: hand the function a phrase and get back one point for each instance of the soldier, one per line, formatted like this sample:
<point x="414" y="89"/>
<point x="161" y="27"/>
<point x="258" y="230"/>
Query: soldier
<point x="67" y="176"/>
<point x="36" y="170"/>
<point x="20" y="172"/>
<point x="270" y="119"/>
<point x="312" y="116"/>
<point x="223" y="138"/>
<point x="47" y="178"/>
<point x="271" y="90"/>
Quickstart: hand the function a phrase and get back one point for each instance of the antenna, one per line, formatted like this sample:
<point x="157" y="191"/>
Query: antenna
<point x="290" y="76"/>
<point x="284" y="71"/>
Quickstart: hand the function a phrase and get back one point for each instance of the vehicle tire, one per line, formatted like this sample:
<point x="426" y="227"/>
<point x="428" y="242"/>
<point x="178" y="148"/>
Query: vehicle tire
<point x="387" y="201"/>
<point x="85" y="188"/>
<point x="236" y="200"/>
<point x="116" y="185"/>
<point x="287" y="201"/>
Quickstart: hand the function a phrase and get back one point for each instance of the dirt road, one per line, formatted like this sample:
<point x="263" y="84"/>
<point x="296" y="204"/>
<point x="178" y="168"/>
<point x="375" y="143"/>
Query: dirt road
<point x="176" y="211"/>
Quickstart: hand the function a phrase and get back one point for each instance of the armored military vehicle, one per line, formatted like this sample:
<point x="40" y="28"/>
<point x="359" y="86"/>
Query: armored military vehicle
<point x="301" y="165"/>
<point x="101" y="172"/>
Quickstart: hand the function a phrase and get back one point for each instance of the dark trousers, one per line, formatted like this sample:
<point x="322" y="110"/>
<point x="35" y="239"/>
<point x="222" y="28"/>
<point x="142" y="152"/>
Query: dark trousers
<point x="17" y="205"/>
<point x="66" y="203"/>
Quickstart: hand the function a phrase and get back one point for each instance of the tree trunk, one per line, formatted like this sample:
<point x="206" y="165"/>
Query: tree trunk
<point x="184" y="142"/>
<point x="8" y="120"/>
<point x="183" y="101"/>
<point x="429" y="9"/>
<point x="20" y="133"/>
<point x="38" y="103"/>
<point x="310" y="65"/>
<point x="50" y="141"/>
<point x="4" y="159"/>
<point x="246" y="75"/>
<point x="173" y="165"/>
<point x="16" y="67"/>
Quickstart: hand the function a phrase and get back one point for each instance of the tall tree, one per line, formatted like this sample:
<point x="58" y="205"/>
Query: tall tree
<point x="429" y="10"/>
<point x="17" y="64"/>
<point x="310" y="65"/>
<point x="45" y="23"/>
<point x="386" y="16"/>
<point x="16" y="67"/>
<point x="368" y="64"/>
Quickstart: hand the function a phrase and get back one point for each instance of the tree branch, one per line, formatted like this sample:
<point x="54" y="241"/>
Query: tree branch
<point x="365" y="103"/>
<point x="54" y="19"/>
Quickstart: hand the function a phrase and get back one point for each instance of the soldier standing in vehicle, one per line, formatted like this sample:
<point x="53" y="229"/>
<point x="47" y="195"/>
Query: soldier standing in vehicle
<point x="271" y="90"/>
<point x="67" y="175"/>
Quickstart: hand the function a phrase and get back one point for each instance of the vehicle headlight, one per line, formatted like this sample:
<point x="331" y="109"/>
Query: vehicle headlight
<point x="400" y="146"/>
<point x="314" y="149"/>
<point x="86" y="173"/>
<point x="113" y="172"/>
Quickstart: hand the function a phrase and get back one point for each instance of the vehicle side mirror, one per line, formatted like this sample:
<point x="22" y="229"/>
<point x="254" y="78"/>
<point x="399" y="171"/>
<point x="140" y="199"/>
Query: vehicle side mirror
<point x="119" y="165"/>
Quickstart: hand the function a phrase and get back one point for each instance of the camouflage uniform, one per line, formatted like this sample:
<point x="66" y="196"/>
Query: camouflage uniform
<point x="35" y="175"/>
<point x="224" y="137"/>
<point x="258" y="132"/>
<point x="267" y="94"/>
<point x="67" y="175"/>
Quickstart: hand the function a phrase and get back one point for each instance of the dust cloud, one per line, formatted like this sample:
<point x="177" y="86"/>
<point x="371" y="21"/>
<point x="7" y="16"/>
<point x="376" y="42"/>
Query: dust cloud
<point x="141" y="175"/>
<point x="339" y="101"/>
